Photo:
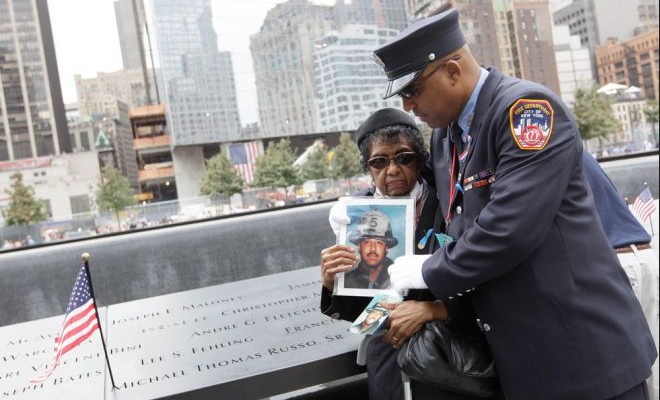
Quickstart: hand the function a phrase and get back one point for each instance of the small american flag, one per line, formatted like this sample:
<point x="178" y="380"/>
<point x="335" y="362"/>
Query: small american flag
<point x="80" y="322"/>
<point x="244" y="156"/>
<point x="644" y="205"/>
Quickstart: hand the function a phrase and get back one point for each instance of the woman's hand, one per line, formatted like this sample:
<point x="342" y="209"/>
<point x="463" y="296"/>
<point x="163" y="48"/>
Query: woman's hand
<point x="334" y="259"/>
<point x="408" y="317"/>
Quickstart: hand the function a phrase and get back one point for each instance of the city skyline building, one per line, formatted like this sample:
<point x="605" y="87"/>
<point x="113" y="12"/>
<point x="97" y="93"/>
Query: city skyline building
<point x="112" y="123"/>
<point x="116" y="127"/>
<point x="32" y="114"/>
<point x="595" y="21"/>
<point x="282" y="55"/>
<point x="390" y="14"/>
<point x="200" y="93"/>
<point x="153" y="150"/>
<point x="632" y="62"/>
<point x="135" y="45"/>
<point x="532" y="42"/>
<point x="128" y="31"/>
<point x="629" y="110"/>
<point x="515" y="36"/>
<point x="199" y="87"/>
<point x="628" y="104"/>
<point x="106" y="100"/>
<point x="81" y="131"/>
<point x="574" y="67"/>
<point x="62" y="183"/>
<point x="349" y="84"/>
<point x="504" y="43"/>
<point x="479" y="25"/>
<point x="418" y="9"/>
<point x="126" y="85"/>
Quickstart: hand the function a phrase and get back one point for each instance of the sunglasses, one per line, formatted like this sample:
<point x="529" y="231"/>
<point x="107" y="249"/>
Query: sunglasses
<point x="410" y="91"/>
<point x="403" y="158"/>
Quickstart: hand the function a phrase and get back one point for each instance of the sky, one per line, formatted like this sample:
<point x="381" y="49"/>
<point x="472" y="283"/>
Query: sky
<point x="86" y="42"/>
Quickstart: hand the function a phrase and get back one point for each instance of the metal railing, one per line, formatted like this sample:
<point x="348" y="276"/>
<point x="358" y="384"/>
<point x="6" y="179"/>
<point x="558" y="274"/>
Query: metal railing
<point x="159" y="214"/>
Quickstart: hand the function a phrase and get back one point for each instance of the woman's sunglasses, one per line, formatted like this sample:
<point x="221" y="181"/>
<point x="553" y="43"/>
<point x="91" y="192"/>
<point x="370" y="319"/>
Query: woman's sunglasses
<point x="403" y="158"/>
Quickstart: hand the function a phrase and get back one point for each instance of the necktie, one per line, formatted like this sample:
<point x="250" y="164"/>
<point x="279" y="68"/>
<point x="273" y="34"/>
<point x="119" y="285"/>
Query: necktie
<point x="457" y="137"/>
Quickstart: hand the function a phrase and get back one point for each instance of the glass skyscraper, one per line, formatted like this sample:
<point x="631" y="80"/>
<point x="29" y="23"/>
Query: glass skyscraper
<point x="348" y="83"/>
<point x="200" y="92"/>
<point x="32" y="116"/>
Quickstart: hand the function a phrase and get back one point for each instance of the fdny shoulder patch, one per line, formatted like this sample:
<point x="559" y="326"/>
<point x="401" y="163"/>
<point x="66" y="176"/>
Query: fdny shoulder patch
<point x="531" y="123"/>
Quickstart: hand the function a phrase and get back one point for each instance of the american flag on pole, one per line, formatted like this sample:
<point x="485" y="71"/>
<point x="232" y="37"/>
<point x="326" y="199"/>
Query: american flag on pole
<point x="80" y="322"/>
<point x="644" y="205"/>
<point x="244" y="156"/>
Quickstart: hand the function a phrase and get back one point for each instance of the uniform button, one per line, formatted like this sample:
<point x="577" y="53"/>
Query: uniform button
<point x="459" y="294"/>
<point x="459" y="210"/>
<point x="486" y="327"/>
<point x="451" y="297"/>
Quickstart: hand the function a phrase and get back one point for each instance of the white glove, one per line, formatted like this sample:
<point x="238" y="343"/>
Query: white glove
<point x="338" y="216"/>
<point x="406" y="273"/>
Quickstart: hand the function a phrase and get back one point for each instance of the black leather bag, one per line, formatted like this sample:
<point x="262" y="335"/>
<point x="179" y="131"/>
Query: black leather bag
<point x="454" y="361"/>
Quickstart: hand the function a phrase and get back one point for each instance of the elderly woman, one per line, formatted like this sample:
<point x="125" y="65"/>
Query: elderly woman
<point x="392" y="151"/>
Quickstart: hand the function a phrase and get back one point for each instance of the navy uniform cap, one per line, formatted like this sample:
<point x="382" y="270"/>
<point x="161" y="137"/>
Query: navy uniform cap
<point x="383" y="118"/>
<point x="405" y="57"/>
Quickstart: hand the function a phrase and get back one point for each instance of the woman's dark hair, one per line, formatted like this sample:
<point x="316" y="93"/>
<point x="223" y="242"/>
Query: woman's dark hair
<point x="390" y="134"/>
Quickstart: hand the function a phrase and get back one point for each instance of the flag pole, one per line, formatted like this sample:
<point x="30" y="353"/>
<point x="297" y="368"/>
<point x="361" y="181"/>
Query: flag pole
<point x="646" y="185"/>
<point x="85" y="258"/>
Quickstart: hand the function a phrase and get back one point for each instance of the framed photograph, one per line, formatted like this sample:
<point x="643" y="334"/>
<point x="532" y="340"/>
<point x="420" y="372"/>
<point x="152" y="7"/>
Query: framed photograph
<point x="380" y="231"/>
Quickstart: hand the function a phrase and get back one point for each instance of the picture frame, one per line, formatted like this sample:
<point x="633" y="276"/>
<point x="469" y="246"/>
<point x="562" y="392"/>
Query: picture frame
<point x="380" y="230"/>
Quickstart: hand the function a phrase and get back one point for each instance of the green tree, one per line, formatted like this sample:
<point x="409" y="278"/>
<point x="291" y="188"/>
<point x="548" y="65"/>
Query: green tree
<point x="651" y="114"/>
<point x="317" y="165"/>
<point x="345" y="161"/>
<point x="220" y="178"/>
<point x="114" y="192"/>
<point x="24" y="208"/>
<point x="594" y="115"/>
<point x="275" y="168"/>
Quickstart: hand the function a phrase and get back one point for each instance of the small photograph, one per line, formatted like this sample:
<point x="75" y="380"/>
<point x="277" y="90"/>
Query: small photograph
<point x="374" y="315"/>
<point x="380" y="231"/>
